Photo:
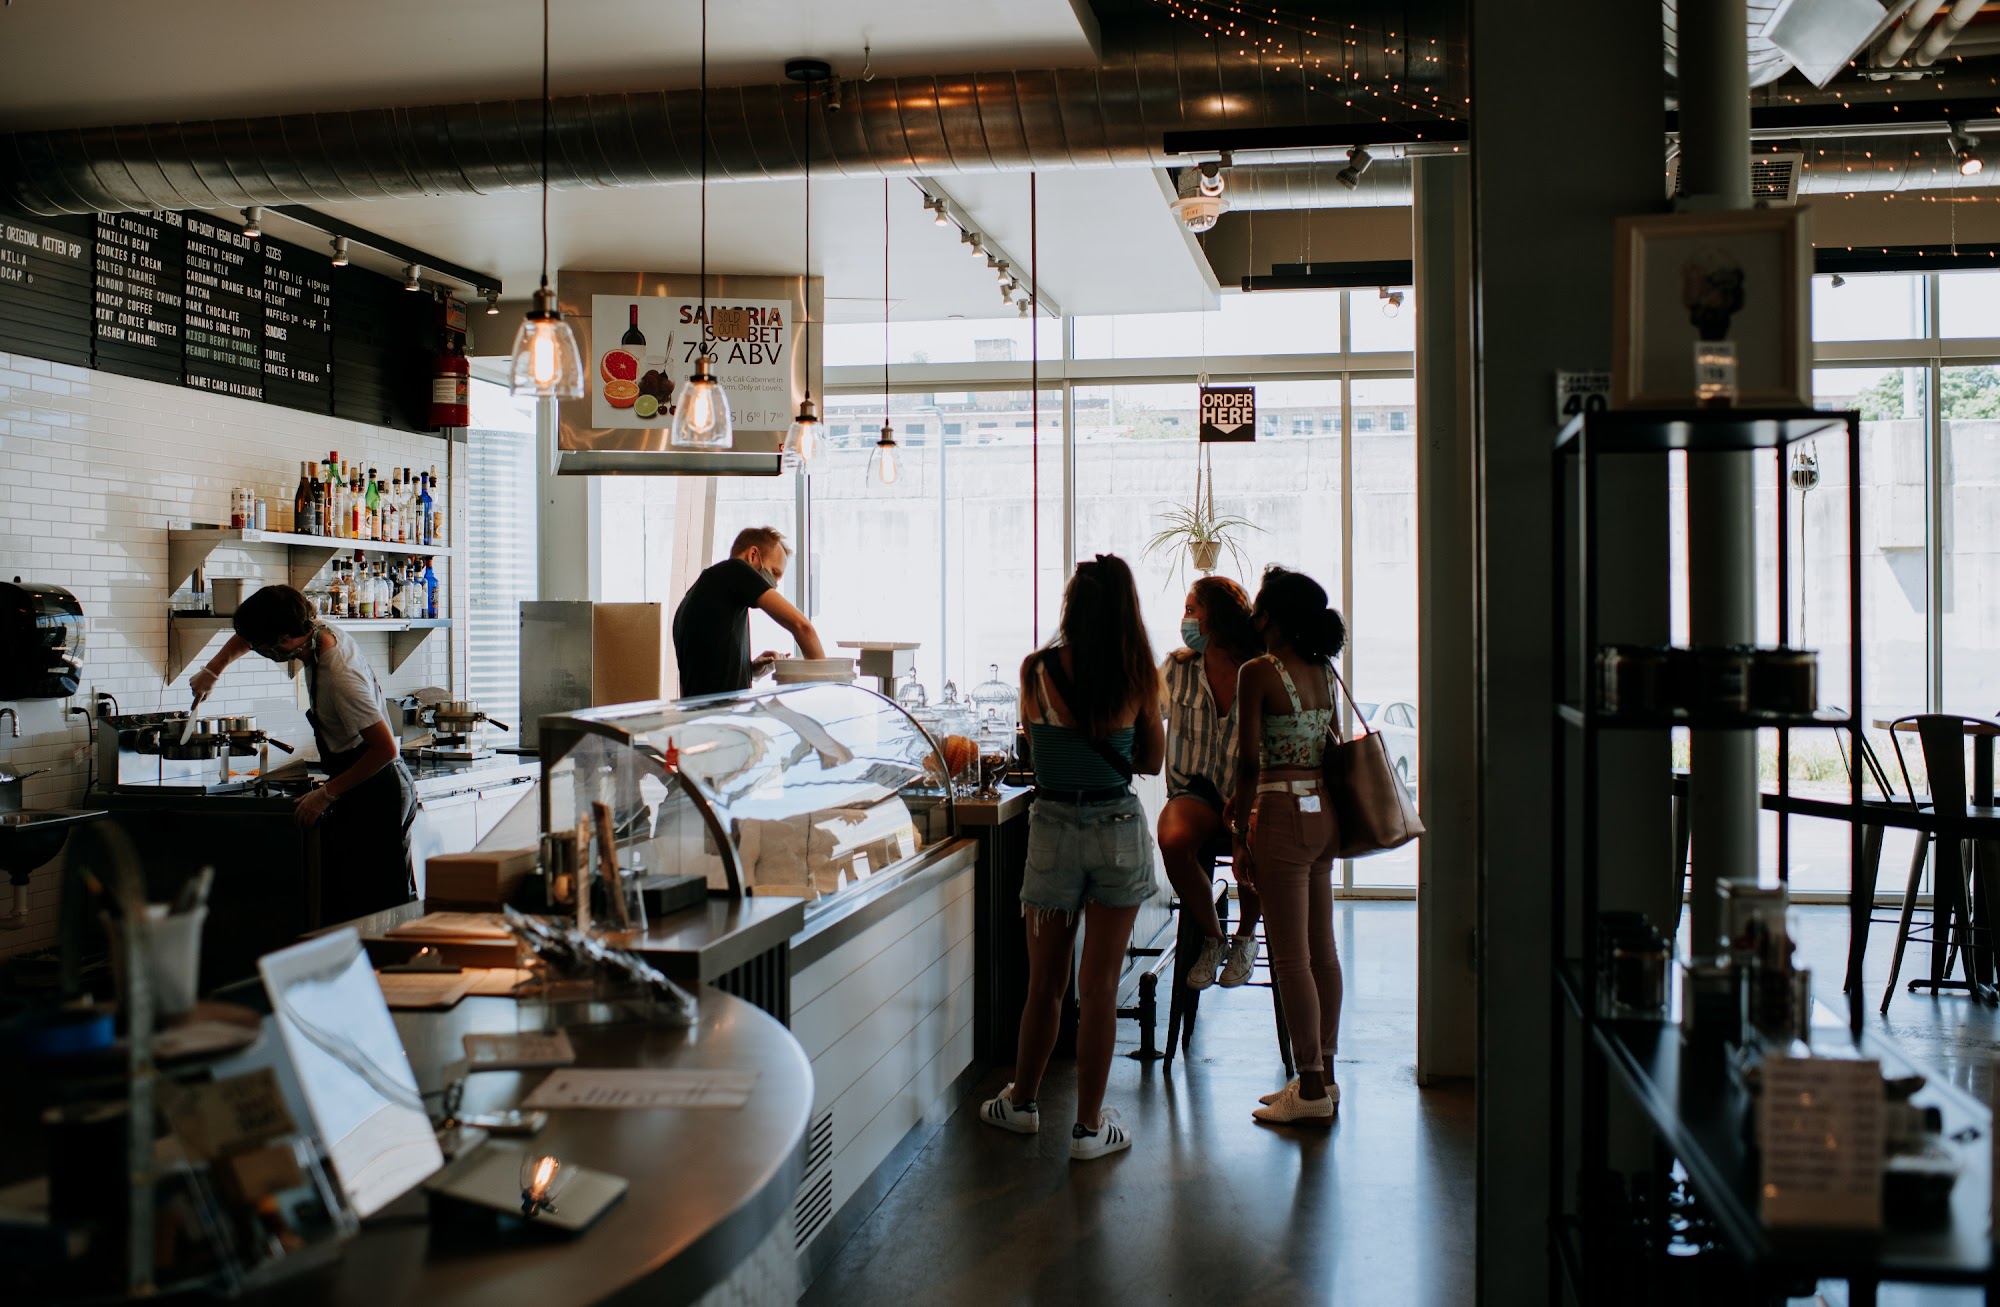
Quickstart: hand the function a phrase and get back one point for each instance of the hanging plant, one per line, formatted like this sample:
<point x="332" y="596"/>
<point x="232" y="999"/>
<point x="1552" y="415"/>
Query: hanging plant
<point x="1194" y="531"/>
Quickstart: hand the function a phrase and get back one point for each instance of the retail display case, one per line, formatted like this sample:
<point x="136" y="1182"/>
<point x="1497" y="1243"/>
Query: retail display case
<point x="808" y="791"/>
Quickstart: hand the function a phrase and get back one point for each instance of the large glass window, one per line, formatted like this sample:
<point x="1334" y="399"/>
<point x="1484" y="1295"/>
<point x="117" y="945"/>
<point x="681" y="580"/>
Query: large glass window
<point x="1880" y="306"/>
<point x="945" y="556"/>
<point x="949" y="340"/>
<point x="1969" y="403"/>
<point x="1382" y="618"/>
<point x="501" y="545"/>
<point x="1269" y="323"/>
<point x="1379" y="321"/>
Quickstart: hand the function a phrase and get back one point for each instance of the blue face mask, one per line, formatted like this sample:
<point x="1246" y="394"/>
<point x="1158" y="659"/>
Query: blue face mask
<point x="1191" y="635"/>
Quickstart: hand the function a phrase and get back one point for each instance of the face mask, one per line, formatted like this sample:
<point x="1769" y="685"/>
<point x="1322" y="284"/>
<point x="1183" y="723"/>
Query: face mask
<point x="1191" y="635"/>
<point x="769" y="579"/>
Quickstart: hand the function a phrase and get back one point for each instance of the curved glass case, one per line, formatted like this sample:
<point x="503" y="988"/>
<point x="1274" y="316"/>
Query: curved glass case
<point x="802" y="791"/>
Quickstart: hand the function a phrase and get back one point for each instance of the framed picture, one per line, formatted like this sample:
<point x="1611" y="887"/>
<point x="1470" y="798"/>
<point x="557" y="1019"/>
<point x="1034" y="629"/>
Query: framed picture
<point x="1743" y="276"/>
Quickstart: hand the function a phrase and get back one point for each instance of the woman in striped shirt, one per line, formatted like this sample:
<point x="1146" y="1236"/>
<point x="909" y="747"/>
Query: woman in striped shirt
<point x="1199" y="684"/>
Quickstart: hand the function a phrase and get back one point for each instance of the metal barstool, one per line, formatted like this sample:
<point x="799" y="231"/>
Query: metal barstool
<point x="1942" y="737"/>
<point x="1186" y="1003"/>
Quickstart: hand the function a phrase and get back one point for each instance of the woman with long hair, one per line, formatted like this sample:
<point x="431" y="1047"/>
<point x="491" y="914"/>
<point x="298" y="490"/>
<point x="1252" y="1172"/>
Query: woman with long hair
<point x="1199" y="687"/>
<point x="1091" y="699"/>
<point x="1284" y="715"/>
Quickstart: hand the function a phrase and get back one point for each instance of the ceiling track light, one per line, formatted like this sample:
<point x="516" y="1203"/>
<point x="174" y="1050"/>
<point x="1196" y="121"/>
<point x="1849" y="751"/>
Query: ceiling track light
<point x="970" y="239"/>
<point x="1023" y="305"/>
<point x="1212" y="183"/>
<point x="934" y="205"/>
<point x="1964" y="146"/>
<point x="1838" y="281"/>
<point x="492" y="302"/>
<point x="253" y="222"/>
<point x="1392" y="301"/>
<point x="339" y="251"/>
<point x="1358" y="160"/>
<point x="411" y="278"/>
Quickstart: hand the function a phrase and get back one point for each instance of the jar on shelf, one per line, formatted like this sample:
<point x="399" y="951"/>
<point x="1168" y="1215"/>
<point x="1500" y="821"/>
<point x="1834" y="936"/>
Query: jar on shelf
<point x="997" y="698"/>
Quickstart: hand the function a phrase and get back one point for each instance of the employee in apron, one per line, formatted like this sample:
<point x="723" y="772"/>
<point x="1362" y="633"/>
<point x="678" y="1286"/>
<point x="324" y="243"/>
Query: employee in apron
<point x="365" y="808"/>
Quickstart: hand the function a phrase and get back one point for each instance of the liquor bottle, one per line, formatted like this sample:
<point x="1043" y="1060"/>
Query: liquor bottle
<point x="385" y="592"/>
<point x="412" y="513"/>
<point x="427" y="532"/>
<point x="430" y="590"/>
<point x="371" y="499"/>
<point x="357" y="508"/>
<point x="337" y="500"/>
<point x="302" y="502"/>
<point x="341" y="595"/>
<point x="440" y="532"/>
<point x="633" y="336"/>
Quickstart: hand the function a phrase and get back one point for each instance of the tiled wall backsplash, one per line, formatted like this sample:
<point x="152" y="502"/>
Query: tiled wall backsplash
<point x="93" y="467"/>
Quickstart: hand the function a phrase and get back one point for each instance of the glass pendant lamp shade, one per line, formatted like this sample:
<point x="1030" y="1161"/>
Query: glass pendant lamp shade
<point x="802" y="439"/>
<point x="884" y="464"/>
<point x="547" y="363"/>
<point x="701" y="416"/>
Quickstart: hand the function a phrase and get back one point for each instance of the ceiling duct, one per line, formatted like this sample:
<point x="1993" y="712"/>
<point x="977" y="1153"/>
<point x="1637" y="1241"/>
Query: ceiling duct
<point x="1155" y="78"/>
<point x="1817" y="37"/>
<point x="1884" y="164"/>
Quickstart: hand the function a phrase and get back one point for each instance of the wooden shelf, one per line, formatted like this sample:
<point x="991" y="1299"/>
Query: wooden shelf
<point x="188" y="636"/>
<point x="189" y="548"/>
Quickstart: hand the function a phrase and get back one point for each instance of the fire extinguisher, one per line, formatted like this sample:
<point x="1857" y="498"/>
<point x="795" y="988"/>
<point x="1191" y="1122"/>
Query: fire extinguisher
<point x="451" y="404"/>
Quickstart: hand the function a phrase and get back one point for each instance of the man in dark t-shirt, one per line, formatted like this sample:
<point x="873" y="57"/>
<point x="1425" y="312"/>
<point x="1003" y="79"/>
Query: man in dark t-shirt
<point x="712" y="625"/>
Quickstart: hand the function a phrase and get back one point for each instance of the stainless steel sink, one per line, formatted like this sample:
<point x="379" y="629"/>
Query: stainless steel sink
<point x="30" y="837"/>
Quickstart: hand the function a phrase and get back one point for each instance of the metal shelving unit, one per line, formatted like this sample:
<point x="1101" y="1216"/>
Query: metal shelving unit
<point x="1573" y="992"/>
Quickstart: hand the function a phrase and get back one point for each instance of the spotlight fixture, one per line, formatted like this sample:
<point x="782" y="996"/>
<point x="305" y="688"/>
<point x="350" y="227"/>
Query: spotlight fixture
<point x="1007" y="292"/>
<point x="411" y="281"/>
<point x="1023" y="304"/>
<point x="340" y="251"/>
<point x="1358" y="160"/>
<point x="253" y="222"/>
<point x="1963" y="145"/>
<point x="934" y="205"/>
<point x="1212" y="182"/>
<point x="492" y="303"/>
<point x="1838" y="281"/>
<point x="1392" y="301"/>
<point x="970" y="239"/>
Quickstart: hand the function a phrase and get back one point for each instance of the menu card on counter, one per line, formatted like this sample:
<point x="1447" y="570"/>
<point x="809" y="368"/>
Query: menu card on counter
<point x="1820" y="1123"/>
<point x="45" y="283"/>
<point x="138" y="308"/>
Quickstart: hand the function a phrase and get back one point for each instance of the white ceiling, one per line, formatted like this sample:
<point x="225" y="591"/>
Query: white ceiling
<point x="1107" y="241"/>
<point x="97" y="62"/>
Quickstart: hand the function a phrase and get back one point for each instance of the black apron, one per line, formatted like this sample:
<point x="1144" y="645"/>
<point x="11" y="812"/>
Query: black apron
<point x="364" y="837"/>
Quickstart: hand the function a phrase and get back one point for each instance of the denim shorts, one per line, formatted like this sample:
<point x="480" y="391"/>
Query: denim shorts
<point x="1088" y="852"/>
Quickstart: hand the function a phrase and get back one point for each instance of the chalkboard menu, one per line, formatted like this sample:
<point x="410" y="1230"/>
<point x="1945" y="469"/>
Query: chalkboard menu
<point x="45" y="286"/>
<point x="185" y="299"/>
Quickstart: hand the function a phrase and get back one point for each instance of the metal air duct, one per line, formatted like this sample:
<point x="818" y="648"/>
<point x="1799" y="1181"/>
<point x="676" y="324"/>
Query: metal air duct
<point x="1155" y="78"/>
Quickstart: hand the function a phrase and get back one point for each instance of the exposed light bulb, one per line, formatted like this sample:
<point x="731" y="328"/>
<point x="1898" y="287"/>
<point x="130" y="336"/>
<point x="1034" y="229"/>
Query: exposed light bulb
<point x="701" y="416"/>
<point x="543" y="1180"/>
<point x="547" y="363"/>
<point x="340" y="251"/>
<point x="802" y="440"/>
<point x="886" y="463"/>
<point x="544" y="369"/>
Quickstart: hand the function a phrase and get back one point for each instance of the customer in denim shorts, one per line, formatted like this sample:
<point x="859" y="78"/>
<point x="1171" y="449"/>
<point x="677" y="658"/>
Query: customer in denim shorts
<point x="1091" y="700"/>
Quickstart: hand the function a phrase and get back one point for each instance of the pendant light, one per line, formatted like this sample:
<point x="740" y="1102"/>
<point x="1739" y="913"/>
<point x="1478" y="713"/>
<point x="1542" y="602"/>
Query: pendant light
<point x="884" y="462"/>
<point x="803" y="440"/>
<point x="547" y="363"/>
<point x="701" y="417"/>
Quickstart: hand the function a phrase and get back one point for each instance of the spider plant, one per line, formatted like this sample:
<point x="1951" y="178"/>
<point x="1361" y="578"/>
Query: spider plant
<point x="1187" y="528"/>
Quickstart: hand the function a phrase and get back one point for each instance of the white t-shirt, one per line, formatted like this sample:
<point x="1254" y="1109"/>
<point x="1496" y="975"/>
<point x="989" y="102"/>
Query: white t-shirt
<point x="346" y="696"/>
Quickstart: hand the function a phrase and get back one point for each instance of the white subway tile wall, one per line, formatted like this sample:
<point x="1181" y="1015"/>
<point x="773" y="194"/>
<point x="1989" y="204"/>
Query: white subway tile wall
<point x="93" y="467"/>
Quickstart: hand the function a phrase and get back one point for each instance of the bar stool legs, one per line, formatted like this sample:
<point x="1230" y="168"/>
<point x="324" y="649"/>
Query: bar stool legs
<point x="1903" y="925"/>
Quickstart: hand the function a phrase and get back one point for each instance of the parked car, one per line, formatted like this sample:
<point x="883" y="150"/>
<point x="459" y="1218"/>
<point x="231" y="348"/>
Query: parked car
<point x="1398" y="724"/>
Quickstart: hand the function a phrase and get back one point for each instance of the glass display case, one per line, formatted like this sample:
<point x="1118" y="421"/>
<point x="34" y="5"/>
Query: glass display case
<point x="804" y="791"/>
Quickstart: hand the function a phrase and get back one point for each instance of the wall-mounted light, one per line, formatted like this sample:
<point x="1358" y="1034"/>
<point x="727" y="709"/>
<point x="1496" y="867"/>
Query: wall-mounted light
<point x="411" y="281"/>
<point x="253" y="222"/>
<point x="340" y="251"/>
<point x="1358" y="160"/>
<point x="1392" y="301"/>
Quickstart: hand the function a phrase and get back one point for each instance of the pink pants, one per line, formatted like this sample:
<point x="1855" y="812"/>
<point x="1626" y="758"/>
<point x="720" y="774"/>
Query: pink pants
<point x="1291" y="856"/>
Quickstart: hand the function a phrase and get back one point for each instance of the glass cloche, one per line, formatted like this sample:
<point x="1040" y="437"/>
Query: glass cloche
<point x="997" y="697"/>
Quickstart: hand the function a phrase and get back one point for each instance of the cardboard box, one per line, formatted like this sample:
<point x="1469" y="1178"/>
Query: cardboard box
<point x="576" y="654"/>
<point x="632" y="653"/>
<point x="484" y="878"/>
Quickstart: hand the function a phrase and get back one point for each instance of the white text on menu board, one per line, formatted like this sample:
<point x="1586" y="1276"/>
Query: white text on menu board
<point x="129" y="290"/>
<point x="293" y="302"/>
<point x="20" y="241"/>
<point x="216" y="334"/>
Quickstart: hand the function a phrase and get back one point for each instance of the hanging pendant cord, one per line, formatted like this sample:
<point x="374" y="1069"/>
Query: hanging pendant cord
<point x="885" y="301"/>
<point x="704" y="179"/>
<point x="805" y="285"/>
<point x="1034" y="417"/>
<point x="545" y="144"/>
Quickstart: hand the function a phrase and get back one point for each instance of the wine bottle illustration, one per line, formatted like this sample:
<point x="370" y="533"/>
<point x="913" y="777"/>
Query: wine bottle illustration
<point x="633" y="336"/>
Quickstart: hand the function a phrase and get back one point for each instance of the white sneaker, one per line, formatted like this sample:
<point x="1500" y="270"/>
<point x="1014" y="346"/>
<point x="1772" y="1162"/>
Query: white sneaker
<point x="1000" y="1111"/>
<point x="1242" y="961"/>
<point x="1290" y="1109"/>
<point x="1109" y="1137"/>
<point x="1291" y="1086"/>
<point x="1202" y="974"/>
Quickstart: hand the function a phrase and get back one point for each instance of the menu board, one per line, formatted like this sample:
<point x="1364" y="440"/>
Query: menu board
<point x="138" y="305"/>
<point x="184" y="299"/>
<point x="45" y="286"/>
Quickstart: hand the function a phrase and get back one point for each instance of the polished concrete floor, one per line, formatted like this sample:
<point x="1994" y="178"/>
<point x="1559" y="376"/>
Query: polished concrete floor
<point x="1207" y="1207"/>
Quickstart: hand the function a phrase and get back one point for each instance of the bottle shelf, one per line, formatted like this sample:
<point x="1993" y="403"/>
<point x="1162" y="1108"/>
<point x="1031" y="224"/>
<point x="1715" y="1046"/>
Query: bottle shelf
<point x="189" y="548"/>
<point x="1700" y="721"/>
<point x="189" y="634"/>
